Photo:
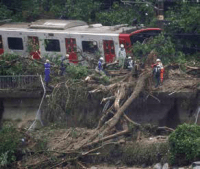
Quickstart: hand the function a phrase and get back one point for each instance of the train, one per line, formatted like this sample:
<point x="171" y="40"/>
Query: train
<point x="53" y="38"/>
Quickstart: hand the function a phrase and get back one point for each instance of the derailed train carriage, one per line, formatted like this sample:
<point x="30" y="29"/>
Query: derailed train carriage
<point x="60" y="37"/>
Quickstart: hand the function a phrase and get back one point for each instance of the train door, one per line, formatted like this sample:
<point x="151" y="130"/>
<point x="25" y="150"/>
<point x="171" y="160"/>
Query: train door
<point x="71" y="49"/>
<point x="1" y="45"/>
<point x="34" y="47"/>
<point x="109" y="50"/>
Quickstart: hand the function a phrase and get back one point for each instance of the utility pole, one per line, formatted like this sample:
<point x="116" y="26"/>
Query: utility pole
<point x="160" y="15"/>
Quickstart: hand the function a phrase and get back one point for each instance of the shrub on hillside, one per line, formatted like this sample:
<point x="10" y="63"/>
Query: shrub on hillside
<point x="9" y="142"/>
<point x="76" y="72"/>
<point x="185" y="144"/>
<point x="138" y="154"/>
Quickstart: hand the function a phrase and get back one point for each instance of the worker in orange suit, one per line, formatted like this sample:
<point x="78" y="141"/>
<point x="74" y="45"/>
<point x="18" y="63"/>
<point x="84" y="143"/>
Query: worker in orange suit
<point x="161" y="72"/>
<point x="158" y="72"/>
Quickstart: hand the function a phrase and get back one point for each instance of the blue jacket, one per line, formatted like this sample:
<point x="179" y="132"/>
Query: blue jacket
<point x="100" y="67"/>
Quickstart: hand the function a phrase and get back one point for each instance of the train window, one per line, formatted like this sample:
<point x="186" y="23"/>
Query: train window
<point x="68" y="41"/>
<point x="15" y="43"/>
<point x="1" y="42"/>
<point x="111" y="43"/>
<point x="89" y="46"/>
<point x="74" y="41"/>
<point x="52" y="45"/>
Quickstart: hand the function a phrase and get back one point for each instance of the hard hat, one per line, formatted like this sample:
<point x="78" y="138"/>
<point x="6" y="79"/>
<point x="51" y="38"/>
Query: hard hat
<point x="129" y="57"/>
<point x="101" y="58"/>
<point x="122" y="45"/>
<point x="67" y="55"/>
<point x="94" y="43"/>
<point x="47" y="61"/>
<point x="157" y="60"/>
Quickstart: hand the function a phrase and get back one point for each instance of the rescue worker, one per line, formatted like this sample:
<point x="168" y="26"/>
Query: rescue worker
<point x="161" y="72"/>
<point x="130" y="63"/>
<point x="47" y="72"/>
<point x="63" y="64"/>
<point x="121" y="56"/>
<point x="99" y="67"/>
<point x="158" y="72"/>
<point x="136" y="68"/>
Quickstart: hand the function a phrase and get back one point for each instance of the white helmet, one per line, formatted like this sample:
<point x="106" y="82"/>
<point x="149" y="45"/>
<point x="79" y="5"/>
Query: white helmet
<point x="129" y="57"/>
<point x="157" y="60"/>
<point x="101" y="58"/>
<point x="122" y="45"/>
<point x="47" y="61"/>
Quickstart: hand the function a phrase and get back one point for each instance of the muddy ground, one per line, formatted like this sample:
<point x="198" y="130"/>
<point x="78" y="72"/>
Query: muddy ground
<point x="48" y="142"/>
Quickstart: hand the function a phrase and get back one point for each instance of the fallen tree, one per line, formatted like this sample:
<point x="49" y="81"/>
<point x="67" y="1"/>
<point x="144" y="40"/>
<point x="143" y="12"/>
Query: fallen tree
<point x="121" y="93"/>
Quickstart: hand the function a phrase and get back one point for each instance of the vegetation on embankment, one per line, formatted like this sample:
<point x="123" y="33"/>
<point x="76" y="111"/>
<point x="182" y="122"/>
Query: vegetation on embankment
<point x="185" y="144"/>
<point x="143" y="148"/>
<point x="10" y="143"/>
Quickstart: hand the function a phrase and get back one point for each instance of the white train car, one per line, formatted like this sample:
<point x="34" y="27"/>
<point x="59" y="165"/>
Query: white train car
<point x="61" y="37"/>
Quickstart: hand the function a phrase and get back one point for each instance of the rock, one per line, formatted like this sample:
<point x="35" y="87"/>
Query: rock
<point x="174" y="167"/>
<point x="196" y="165"/>
<point x="165" y="166"/>
<point x="157" y="166"/>
<point x="93" y="167"/>
<point x="122" y="141"/>
<point x="143" y="165"/>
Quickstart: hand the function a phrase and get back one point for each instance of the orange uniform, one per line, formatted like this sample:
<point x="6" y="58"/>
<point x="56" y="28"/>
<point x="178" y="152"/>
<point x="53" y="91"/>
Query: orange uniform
<point x="161" y="74"/>
<point x="161" y="71"/>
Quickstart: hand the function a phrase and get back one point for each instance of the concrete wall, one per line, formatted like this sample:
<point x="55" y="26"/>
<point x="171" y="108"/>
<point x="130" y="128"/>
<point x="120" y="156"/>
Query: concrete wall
<point x="170" y="111"/>
<point x="20" y="109"/>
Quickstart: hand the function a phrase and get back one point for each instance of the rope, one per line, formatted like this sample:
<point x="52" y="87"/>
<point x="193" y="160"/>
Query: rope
<point x="38" y="114"/>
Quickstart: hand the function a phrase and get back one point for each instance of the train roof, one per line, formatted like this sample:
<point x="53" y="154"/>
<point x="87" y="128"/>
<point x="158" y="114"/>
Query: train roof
<point x="64" y="26"/>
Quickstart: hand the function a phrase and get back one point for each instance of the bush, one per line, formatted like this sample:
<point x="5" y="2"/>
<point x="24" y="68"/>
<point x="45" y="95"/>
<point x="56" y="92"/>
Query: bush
<point x="162" y="46"/>
<point x="76" y="72"/>
<point x="185" y="144"/>
<point x="138" y="154"/>
<point x="9" y="142"/>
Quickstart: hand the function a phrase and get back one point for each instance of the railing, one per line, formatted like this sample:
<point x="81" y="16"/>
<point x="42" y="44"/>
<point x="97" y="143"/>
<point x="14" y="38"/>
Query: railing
<point x="20" y="82"/>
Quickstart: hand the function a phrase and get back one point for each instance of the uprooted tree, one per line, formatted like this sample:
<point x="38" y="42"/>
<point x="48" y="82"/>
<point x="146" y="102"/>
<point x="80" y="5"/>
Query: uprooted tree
<point x="122" y="93"/>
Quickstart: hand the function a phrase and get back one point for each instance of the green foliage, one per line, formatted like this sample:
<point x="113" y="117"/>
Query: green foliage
<point x="184" y="26"/>
<point x="124" y="14"/>
<point x="13" y="64"/>
<point x="76" y="72"/>
<point x="138" y="154"/>
<point x="9" y="142"/>
<point x="162" y="45"/>
<point x="185" y="144"/>
<point x="105" y="80"/>
<point x="4" y="12"/>
<point x="87" y="10"/>
<point x="81" y="9"/>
